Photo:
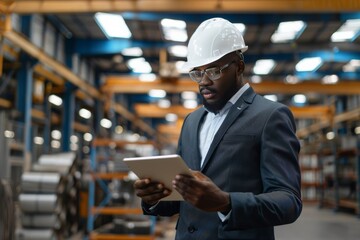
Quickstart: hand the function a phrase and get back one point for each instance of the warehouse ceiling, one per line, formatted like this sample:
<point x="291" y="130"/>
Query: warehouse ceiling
<point x="90" y="41"/>
<point x="75" y="19"/>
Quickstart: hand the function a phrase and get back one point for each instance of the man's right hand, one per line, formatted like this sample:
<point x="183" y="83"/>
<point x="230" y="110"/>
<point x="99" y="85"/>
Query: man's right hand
<point x="150" y="192"/>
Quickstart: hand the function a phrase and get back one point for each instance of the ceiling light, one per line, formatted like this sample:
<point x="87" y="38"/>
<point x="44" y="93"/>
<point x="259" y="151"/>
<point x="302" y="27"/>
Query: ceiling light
<point x="74" y="147"/>
<point x="164" y="103"/>
<point x="330" y="79"/>
<point x="347" y="32"/>
<point x="38" y="140"/>
<point x="105" y="123"/>
<point x="174" y="30"/>
<point x="189" y="95"/>
<point x="147" y="77"/>
<point x="291" y="79"/>
<point x="84" y="113"/>
<point x="157" y="93"/>
<point x="112" y="25"/>
<point x="308" y="64"/>
<point x="264" y="66"/>
<point x="180" y="67"/>
<point x="330" y="135"/>
<point x="56" y="100"/>
<point x="171" y="117"/>
<point x="357" y="130"/>
<point x="132" y="52"/>
<point x="352" y="65"/>
<point x="74" y="139"/>
<point x="288" y="31"/>
<point x="56" y="134"/>
<point x="178" y="51"/>
<point x="255" y="79"/>
<point x="139" y="65"/>
<point x="119" y="129"/>
<point x="88" y="136"/>
<point x="271" y="97"/>
<point x="299" y="99"/>
<point x="55" y="144"/>
<point x="9" y="134"/>
<point x="190" y="104"/>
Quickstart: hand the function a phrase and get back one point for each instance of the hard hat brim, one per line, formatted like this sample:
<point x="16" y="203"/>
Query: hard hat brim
<point x="190" y="65"/>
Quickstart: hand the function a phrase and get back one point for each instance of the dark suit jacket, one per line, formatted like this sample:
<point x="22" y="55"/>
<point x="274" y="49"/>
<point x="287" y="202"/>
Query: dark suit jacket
<point x="254" y="157"/>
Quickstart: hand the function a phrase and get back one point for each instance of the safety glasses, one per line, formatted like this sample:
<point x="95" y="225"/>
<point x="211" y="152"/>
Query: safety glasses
<point x="213" y="73"/>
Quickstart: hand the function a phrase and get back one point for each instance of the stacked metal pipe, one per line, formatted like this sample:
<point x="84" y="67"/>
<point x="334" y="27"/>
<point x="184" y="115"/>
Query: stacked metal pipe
<point x="48" y="199"/>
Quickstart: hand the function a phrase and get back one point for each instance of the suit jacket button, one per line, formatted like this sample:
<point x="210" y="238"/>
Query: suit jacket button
<point x="191" y="229"/>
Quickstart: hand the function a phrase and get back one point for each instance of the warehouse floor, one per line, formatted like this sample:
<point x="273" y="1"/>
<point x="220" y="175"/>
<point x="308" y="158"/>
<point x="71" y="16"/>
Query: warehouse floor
<point x="313" y="224"/>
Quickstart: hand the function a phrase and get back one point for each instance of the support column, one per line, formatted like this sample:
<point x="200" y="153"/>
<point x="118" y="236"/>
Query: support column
<point x="24" y="105"/>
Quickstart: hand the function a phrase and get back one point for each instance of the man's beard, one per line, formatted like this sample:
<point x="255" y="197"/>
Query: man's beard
<point x="214" y="107"/>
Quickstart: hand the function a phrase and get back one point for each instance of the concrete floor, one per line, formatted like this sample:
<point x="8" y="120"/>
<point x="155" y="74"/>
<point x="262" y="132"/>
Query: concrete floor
<point x="321" y="224"/>
<point x="313" y="224"/>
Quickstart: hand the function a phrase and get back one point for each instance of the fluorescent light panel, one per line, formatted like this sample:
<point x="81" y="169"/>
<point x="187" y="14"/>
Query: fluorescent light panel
<point x="347" y="32"/>
<point x="56" y="100"/>
<point x="157" y="93"/>
<point x="132" y="52"/>
<point x="178" y="51"/>
<point x="308" y="64"/>
<point x="105" y="123"/>
<point x="84" y="113"/>
<point x="330" y="79"/>
<point x="174" y="30"/>
<point x="288" y="31"/>
<point x="352" y="65"/>
<point x="264" y="66"/>
<point x="113" y="25"/>
<point x="139" y="65"/>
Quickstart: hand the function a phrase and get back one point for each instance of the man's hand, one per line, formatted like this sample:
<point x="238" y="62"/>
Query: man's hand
<point x="201" y="192"/>
<point x="150" y="192"/>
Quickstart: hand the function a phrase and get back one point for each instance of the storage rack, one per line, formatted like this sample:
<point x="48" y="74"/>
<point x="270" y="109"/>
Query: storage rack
<point x="102" y="208"/>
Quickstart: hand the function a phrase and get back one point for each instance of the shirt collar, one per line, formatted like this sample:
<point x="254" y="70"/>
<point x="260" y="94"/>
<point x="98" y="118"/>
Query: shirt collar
<point x="233" y="99"/>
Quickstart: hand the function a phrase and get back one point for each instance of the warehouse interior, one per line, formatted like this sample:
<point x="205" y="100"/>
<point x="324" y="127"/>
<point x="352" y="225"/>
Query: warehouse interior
<point x="75" y="100"/>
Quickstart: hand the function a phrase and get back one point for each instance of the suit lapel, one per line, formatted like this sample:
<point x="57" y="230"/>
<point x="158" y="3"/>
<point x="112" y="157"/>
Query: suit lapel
<point x="195" y="165"/>
<point x="234" y="112"/>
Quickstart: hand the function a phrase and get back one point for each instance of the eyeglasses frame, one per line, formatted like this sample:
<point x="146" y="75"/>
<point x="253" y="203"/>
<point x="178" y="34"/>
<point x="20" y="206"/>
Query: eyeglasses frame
<point x="203" y="72"/>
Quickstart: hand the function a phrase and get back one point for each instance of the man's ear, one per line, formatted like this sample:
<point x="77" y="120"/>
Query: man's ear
<point x="241" y="67"/>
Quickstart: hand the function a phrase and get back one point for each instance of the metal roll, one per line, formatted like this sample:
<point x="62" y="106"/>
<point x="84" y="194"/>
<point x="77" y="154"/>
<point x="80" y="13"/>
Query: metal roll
<point x="40" y="182"/>
<point x="40" y="203"/>
<point x="60" y="159"/>
<point x="41" y="221"/>
<point x="35" y="234"/>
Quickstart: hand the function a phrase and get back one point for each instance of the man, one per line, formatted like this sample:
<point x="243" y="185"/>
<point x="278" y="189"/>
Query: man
<point x="241" y="147"/>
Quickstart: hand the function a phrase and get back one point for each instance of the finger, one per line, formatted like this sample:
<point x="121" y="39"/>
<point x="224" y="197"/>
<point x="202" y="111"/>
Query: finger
<point x="149" y="189"/>
<point x="156" y="197"/>
<point x="142" y="183"/>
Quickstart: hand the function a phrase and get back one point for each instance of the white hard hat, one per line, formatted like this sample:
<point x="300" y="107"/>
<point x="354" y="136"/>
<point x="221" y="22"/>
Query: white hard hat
<point x="213" y="39"/>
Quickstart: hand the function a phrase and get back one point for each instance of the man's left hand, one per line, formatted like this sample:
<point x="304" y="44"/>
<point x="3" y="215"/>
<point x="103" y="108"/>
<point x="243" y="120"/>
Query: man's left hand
<point x="201" y="192"/>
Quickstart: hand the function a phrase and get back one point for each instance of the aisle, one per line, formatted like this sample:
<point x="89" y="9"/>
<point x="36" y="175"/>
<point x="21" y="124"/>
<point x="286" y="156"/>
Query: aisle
<point x="313" y="224"/>
<point x="321" y="224"/>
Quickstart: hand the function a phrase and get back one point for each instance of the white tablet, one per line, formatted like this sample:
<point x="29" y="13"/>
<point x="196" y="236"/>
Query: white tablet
<point x="162" y="168"/>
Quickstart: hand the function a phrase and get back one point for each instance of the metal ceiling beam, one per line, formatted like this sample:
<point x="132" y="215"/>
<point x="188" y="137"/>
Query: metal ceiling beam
<point x="52" y="6"/>
<point x="121" y="84"/>
<point x="154" y="111"/>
